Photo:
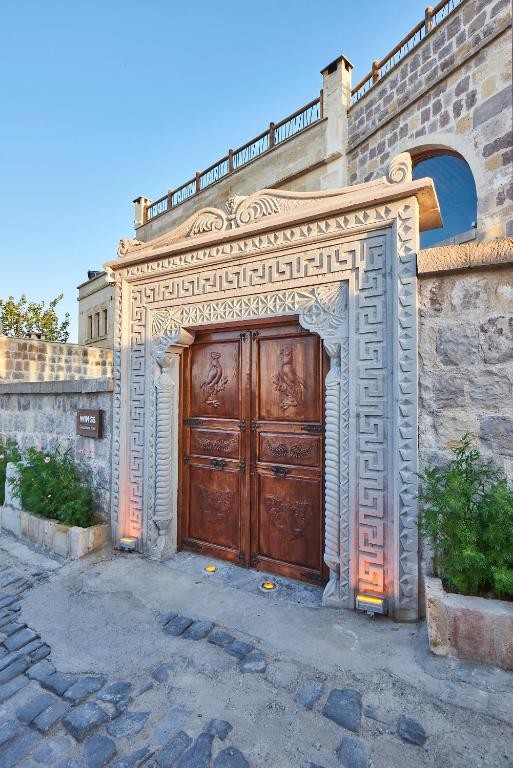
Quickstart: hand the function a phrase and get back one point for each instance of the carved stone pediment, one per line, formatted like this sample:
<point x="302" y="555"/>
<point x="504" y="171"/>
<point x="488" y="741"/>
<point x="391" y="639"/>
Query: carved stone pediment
<point x="244" y="211"/>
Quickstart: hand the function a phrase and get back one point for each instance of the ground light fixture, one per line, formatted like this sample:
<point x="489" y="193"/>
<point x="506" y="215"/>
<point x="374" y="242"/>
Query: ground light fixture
<point x="210" y="568"/>
<point x="370" y="604"/>
<point x="268" y="586"/>
<point x="128" y="543"/>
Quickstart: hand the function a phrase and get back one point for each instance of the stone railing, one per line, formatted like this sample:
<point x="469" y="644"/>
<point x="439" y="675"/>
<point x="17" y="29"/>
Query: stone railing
<point x="432" y="17"/>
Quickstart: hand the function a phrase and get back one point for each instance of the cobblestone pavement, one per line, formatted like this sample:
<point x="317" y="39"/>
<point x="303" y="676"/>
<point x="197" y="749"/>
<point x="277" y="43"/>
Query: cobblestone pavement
<point x="182" y="688"/>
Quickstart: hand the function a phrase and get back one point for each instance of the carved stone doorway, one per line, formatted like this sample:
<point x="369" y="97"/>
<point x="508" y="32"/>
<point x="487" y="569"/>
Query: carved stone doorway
<point x="343" y="262"/>
<point x="253" y="448"/>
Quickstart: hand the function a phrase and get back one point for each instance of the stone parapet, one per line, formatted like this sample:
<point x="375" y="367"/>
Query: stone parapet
<point x="77" y="386"/>
<point x="35" y="360"/>
<point x="466" y="256"/>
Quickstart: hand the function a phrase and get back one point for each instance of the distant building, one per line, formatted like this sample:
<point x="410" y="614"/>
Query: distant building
<point x="95" y="310"/>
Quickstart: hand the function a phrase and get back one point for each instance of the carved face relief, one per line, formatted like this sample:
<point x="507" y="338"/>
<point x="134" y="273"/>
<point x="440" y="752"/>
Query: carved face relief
<point x="214" y="381"/>
<point x="287" y="381"/>
<point x="288" y="517"/>
<point x="214" y="506"/>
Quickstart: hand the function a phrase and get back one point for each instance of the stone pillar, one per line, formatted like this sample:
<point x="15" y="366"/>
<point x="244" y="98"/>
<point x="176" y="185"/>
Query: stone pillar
<point x="336" y="101"/>
<point x="140" y="206"/>
<point x="166" y="456"/>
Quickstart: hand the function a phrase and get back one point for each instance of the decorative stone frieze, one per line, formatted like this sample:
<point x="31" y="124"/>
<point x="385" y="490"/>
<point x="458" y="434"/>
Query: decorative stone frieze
<point x="349" y="273"/>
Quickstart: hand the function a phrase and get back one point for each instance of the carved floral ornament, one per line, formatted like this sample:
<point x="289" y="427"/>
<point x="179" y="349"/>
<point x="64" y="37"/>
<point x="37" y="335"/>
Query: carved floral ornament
<point x="323" y="309"/>
<point x="239" y="211"/>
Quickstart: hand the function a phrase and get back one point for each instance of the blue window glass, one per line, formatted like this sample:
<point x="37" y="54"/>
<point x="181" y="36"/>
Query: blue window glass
<point x="456" y="192"/>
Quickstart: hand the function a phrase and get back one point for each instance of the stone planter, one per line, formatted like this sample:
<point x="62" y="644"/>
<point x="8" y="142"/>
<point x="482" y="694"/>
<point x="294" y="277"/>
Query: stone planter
<point x="468" y="627"/>
<point x="66" y="540"/>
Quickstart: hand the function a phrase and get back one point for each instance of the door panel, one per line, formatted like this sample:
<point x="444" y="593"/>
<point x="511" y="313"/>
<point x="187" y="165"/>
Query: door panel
<point x="288" y="524"/>
<point x="253" y="445"/>
<point x="212" y="442"/>
<point x="214" y="490"/>
<point x="287" y="390"/>
<point x="214" y="371"/>
<point x="298" y="450"/>
<point x="215" y="505"/>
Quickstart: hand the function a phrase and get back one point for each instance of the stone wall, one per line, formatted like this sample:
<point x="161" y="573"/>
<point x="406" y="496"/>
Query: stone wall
<point x="466" y="356"/>
<point x="452" y="91"/>
<point x="42" y="385"/>
<point x="44" y="414"/>
<point x="34" y="360"/>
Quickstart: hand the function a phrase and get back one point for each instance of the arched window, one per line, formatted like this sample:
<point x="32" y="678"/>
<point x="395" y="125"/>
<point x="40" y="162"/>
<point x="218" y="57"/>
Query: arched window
<point x="457" y="196"/>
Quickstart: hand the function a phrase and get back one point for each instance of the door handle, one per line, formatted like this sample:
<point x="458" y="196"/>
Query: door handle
<point x="280" y="471"/>
<point x="218" y="463"/>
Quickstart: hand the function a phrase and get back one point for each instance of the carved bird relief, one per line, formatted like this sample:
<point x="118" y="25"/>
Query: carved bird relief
<point x="287" y="381"/>
<point x="288" y="517"/>
<point x="214" y="381"/>
<point x="214" y="506"/>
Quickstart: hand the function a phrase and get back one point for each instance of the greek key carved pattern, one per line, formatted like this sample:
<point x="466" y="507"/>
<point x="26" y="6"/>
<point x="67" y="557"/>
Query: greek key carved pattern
<point x="284" y="237"/>
<point x="371" y="433"/>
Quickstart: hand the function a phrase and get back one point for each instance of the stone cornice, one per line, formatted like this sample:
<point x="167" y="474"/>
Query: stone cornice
<point x="447" y="258"/>
<point x="269" y="209"/>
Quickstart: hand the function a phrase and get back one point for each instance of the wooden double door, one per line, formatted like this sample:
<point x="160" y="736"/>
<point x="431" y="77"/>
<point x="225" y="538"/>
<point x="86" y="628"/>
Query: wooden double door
<point x="253" y="448"/>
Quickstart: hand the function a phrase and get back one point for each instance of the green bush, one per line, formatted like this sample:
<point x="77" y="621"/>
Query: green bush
<point x="8" y="452"/>
<point x="51" y="484"/>
<point x="467" y="515"/>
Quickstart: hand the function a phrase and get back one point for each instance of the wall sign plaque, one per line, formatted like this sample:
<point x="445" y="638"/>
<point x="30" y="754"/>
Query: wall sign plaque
<point x="89" y="423"/>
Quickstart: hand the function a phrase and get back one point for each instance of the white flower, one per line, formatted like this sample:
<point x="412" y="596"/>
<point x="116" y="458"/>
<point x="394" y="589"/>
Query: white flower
<point x="47" y="459"/>
<point x="2" y="457"/>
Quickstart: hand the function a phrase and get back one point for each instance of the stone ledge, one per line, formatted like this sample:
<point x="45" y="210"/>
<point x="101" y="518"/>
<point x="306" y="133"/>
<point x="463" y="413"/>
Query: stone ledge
<point x="487" y="253"/>
<point x="467" y="627"/>
<point x="75" y="386"/>
<point x="65" y="540"/>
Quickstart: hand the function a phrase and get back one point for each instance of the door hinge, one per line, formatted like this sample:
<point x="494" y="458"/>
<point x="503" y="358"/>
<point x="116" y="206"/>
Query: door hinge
<point x="186" y="458"/>
<point x="315" y="429"/>
<point x="242" y="425"/>
<point x="192" y="422"/>
<point x="254" y="561"/>
<point x="243" y="336"/>
<point x="255" y="334"/>
<point x="253" y="425"/>
<point x="242" y="466"/>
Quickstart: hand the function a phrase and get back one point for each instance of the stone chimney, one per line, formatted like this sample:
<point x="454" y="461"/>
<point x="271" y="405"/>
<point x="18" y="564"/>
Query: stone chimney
<point x="336" y="101"/>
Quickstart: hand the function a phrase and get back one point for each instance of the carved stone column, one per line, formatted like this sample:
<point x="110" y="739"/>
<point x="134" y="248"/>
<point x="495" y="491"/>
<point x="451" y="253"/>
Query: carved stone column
<point x="166" y="460"/>
<point x="332" y="596"/>
<point x="167" y="347"/>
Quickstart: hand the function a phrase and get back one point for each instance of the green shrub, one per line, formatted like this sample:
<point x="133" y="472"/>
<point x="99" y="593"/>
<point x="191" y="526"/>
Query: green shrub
<point x="8" y="452"/>
<point x="51" y="484"/>
<point x="467" y="515"/>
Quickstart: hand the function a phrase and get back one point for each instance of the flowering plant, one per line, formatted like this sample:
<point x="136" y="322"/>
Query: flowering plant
<point x="52" y="484"/>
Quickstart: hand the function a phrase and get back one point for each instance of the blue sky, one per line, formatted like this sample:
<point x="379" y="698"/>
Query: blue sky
<point x="105" y="100"/>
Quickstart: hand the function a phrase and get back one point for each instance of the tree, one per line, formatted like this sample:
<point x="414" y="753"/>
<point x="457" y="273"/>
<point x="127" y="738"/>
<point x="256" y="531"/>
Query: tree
<point x="23" y="317"/>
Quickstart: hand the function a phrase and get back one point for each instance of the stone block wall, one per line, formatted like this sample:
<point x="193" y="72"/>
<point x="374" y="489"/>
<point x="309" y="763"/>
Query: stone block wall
<point x="44" y="414"/>
<point x="453" y="90"/>
<point x="466" y="361"/>
<point x="42" y="385"/>
<point x="34" y="360"/>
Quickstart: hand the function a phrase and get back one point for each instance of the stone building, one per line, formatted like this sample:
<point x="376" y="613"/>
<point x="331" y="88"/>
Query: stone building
<point x="286" y="355"/>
